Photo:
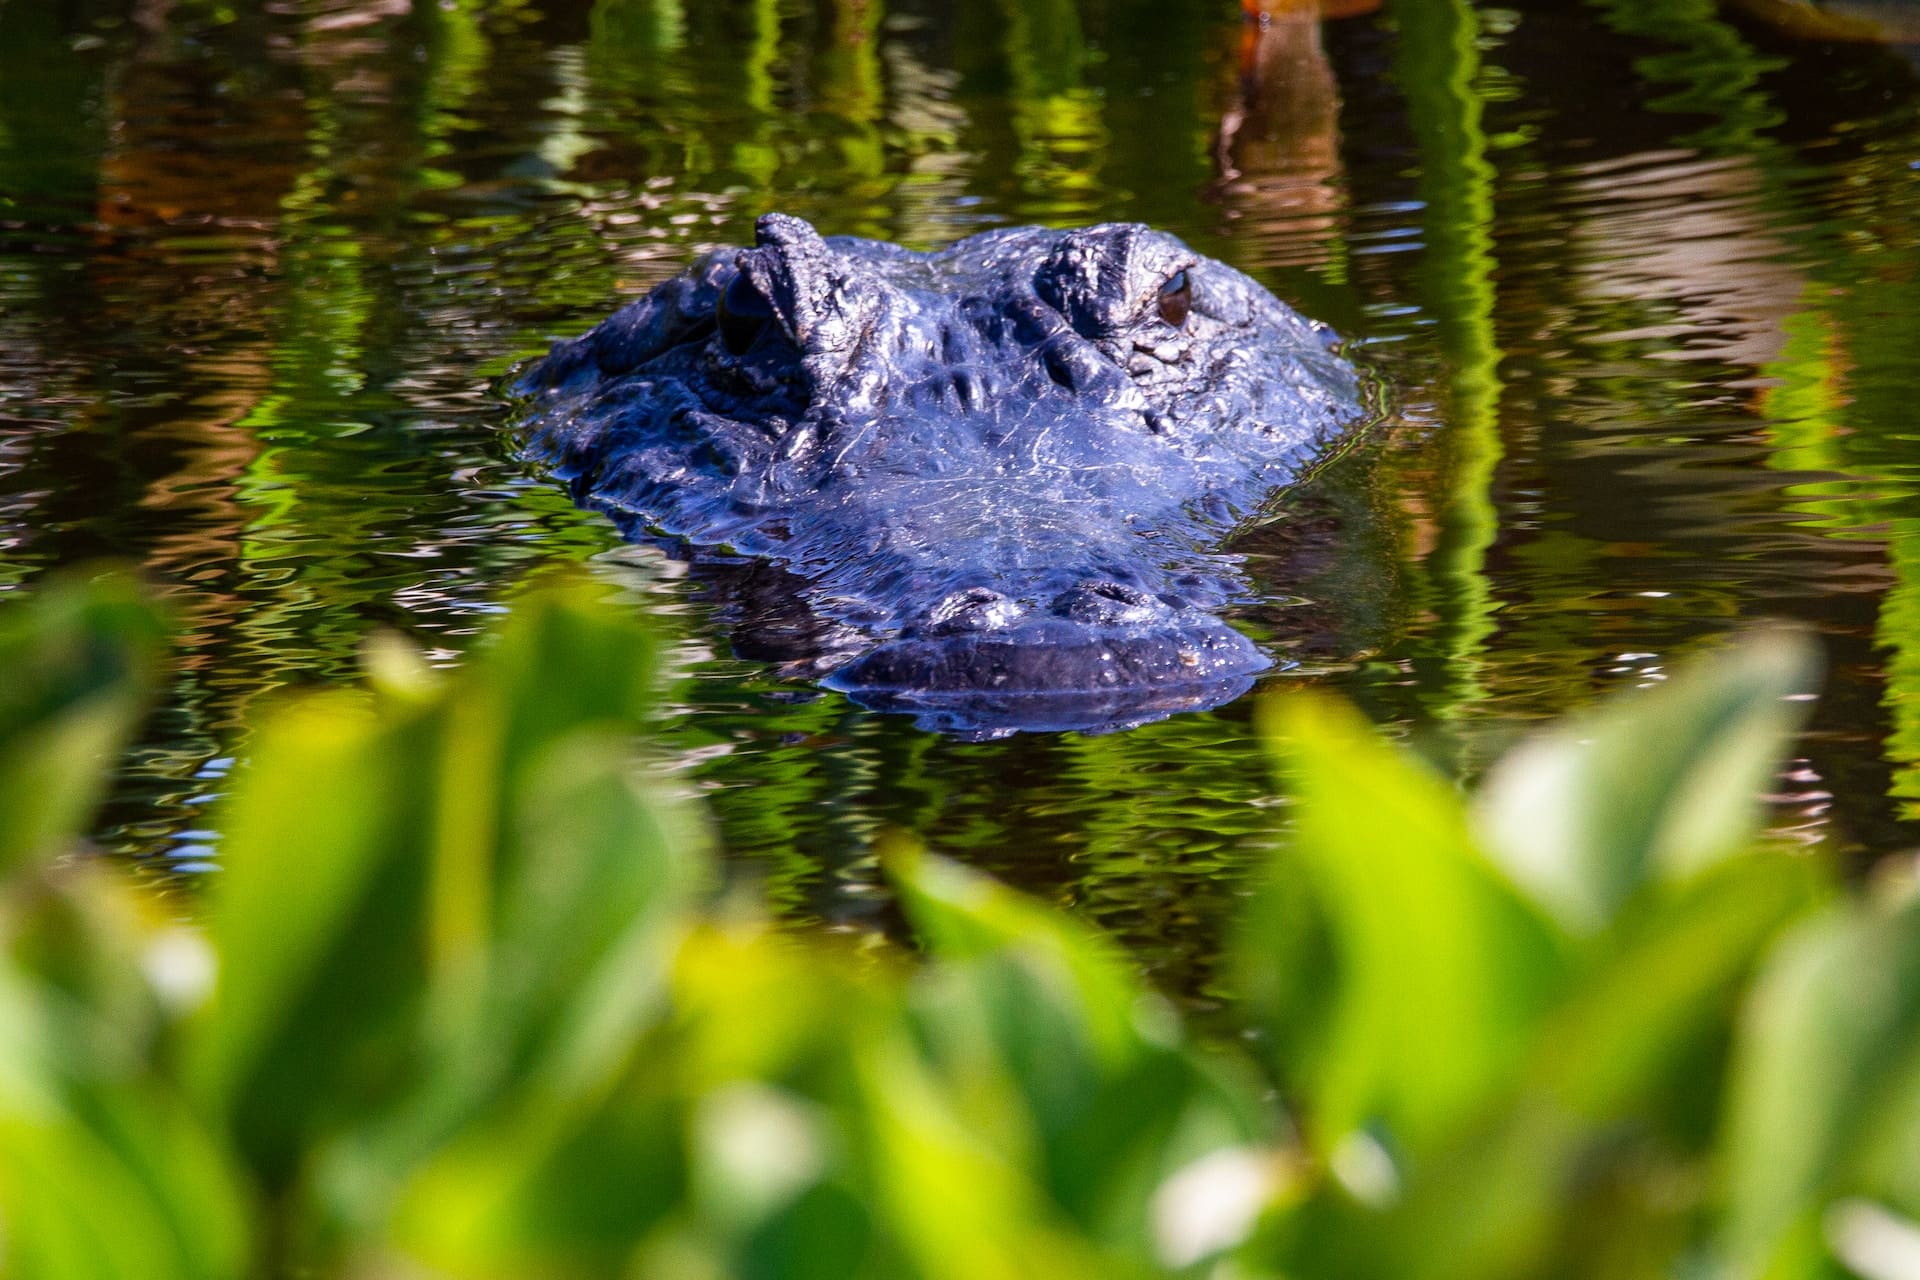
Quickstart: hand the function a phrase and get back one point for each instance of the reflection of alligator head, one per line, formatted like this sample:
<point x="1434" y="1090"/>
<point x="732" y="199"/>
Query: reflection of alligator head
<point x="1004" y="465"/>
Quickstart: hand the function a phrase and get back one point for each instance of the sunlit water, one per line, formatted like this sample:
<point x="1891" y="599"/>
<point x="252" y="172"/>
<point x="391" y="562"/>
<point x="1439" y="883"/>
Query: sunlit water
<point x="1642" y="274"/>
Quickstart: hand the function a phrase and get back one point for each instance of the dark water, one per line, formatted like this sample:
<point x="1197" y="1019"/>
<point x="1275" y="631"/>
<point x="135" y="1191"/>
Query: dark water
<point x="1642" y="272"/>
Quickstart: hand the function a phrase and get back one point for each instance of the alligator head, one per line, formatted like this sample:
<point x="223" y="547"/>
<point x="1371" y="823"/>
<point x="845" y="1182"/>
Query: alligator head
<point x="1006" y="465"/>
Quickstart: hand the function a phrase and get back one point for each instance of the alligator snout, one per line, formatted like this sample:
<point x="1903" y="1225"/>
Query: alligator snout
<point x="1095" y="604"/>
<point x="1096" y="653"/>
<point x="1110" y="604"/>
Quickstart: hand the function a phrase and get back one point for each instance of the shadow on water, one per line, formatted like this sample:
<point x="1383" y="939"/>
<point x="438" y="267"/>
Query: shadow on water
<point x="1642" y="274"/>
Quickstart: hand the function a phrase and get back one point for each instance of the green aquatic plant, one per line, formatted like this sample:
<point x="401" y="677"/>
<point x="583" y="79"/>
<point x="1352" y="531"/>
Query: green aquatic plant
<point x="471" y="996"/>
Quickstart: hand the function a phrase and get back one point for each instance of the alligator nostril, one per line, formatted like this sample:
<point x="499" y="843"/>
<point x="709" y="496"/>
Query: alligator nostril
<point x="1107" y="604"/>
<point x="970" y="388"/>
<point x="974" y="609"/>
<point x="1063" y="369"/>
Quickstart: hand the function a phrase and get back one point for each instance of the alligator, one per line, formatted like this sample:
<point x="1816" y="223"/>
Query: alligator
<point x="1005" y="469"/>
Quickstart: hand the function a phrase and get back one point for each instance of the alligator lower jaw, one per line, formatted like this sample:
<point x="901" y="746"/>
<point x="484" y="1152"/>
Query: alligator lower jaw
<point x="1036" y="680"/>
<point x="979" y="717"/>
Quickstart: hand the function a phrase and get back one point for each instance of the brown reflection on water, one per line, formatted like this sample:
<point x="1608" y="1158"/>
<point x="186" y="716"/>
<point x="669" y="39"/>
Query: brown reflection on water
<point x="187" y="227"/>
<point x="1682" y="242"/>
<point x="1277" y="150"/>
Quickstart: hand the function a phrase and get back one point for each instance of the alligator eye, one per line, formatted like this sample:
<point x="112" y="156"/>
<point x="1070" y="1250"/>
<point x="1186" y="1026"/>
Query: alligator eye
<point x="742" y="313"/>
<point x="1176" y="299"/>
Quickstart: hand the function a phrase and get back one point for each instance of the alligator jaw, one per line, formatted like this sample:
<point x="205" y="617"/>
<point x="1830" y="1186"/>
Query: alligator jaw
<point x="1054" y="676"/>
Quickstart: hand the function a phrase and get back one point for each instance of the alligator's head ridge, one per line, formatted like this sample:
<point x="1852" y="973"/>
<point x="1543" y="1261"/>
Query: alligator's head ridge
<point x="1003" y="468"/>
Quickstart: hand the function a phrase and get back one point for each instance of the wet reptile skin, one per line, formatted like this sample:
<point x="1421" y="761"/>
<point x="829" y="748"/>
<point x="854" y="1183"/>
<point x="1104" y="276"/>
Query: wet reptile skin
<point x="997" y="475"/>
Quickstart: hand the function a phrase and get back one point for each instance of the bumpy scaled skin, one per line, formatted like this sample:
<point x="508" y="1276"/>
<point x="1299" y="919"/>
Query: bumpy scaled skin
<point x="1006" y="464"/>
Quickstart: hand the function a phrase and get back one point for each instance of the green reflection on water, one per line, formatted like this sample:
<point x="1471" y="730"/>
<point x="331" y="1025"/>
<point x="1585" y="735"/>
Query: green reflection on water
<point x="1829" y="407"/>
<point x="1438" y="67"/>
<point x="1713" y="71"/>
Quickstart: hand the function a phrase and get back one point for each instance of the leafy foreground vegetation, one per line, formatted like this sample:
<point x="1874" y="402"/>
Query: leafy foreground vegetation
<point x="466" y="1001"/>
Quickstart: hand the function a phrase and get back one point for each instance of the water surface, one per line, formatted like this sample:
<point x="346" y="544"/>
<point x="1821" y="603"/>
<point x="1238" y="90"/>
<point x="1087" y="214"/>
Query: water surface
<point x="1641" y="272"/>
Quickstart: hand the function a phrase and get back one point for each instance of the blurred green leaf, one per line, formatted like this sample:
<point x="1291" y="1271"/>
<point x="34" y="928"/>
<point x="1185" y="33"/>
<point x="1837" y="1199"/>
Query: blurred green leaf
<point x="588" y="916"/>
<point x="377" y="871"/>
<point x="318" y="917"/>
<point x="1668" y="979"/>
<point x="103" y="1168"/>
<point x="547" y="1188"/>
<point x="574" y="976"/>
<point x="1824" y="1100"/>
<point x="80" y="660"/>
<point x="1074" y="977"/>
<point x="1648" y="786"/>
<point x="770" y="1031"/>
<point x="958" y="1207"/>
<point x="564" y="664"/>
<point x="1396" y="970"/>
<point x="648" y="1154"/>
<point x="1638" y="1032"/>
<point x="1410" y="984"/>
<point x="1024" y="1000"/>
<point x="125" y="1178"/>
